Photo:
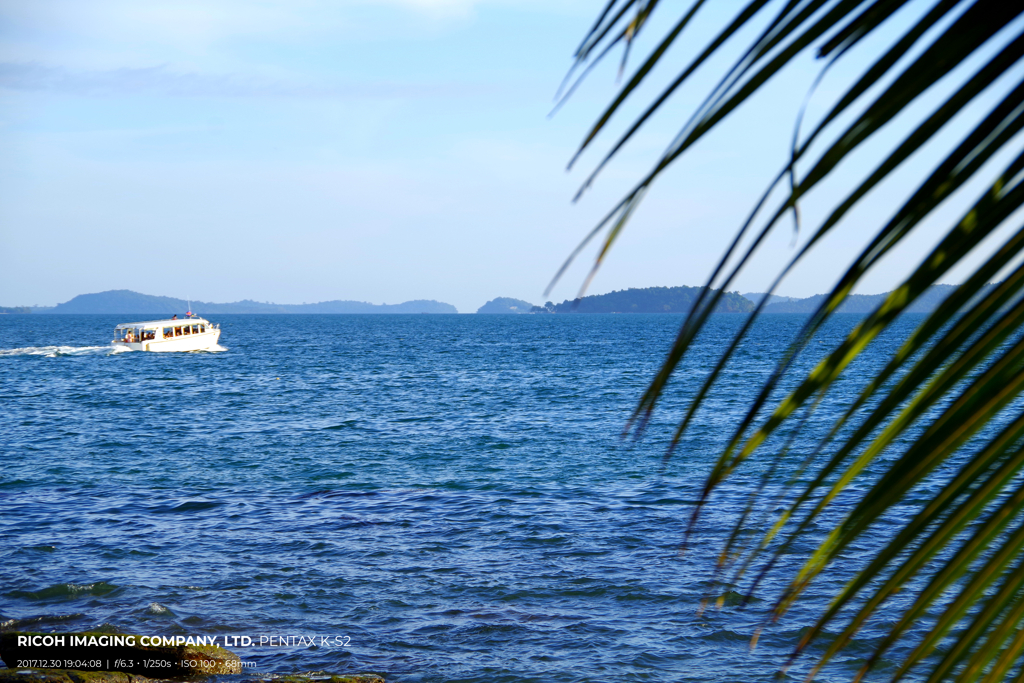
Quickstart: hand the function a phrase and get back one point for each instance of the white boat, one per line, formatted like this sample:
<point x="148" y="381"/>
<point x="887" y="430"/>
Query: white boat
<point x="189" y="334"/>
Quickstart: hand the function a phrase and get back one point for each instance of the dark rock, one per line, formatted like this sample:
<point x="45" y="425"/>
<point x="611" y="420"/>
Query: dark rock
<point x="68" y="676"/>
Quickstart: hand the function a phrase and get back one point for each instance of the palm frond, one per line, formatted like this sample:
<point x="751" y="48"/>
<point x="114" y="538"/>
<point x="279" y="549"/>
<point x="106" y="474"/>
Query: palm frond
<point x="945" y="408"/>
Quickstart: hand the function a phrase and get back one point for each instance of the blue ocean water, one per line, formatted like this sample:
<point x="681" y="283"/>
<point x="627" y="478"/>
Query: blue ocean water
<point x="448" y="495"/>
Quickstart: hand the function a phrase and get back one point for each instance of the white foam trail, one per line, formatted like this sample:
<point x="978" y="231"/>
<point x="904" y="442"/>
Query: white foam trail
<point x="56" y="351"/>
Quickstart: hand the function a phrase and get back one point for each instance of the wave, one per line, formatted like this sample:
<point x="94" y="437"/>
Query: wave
<point x="57" y="351"/>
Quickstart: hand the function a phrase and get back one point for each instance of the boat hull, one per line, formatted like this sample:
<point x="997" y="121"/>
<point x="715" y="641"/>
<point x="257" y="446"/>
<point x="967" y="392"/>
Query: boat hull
<point x="203" y="341"/>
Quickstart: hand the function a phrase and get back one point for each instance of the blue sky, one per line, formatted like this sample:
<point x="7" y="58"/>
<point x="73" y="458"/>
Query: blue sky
<point x="305" y="150"/>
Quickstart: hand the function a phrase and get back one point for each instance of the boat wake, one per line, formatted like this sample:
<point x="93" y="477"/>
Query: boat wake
<point x="58" y="351"/>
<point x="217" y="348"/>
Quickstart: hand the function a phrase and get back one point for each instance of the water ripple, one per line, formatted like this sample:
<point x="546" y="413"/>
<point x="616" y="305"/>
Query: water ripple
<point x="450" y="493"/>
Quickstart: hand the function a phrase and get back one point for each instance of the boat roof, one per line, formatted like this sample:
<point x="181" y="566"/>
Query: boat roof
<point x="161" y="323"/>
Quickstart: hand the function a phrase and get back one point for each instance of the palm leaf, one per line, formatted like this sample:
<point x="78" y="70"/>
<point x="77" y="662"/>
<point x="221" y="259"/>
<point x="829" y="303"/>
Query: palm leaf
<point x="945" y="407"/>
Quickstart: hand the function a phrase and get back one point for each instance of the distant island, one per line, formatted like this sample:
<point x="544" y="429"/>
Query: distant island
<point x="126" y="302"/>
<point x="680" y="300"/>
<point x="651" y="300"/>
<point x="856" y="303"/>
<point x="504" y="304"/>
<point x="755" y="298"/>
<point x="646" y="300"/>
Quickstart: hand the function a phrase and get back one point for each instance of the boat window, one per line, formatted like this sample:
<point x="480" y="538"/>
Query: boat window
<point x="187" y="328"/>
<point x="168" y="332"/>
<point x="177" y="331"/>
<point x="202" y="328"/>
<point x="195" y="329"/>
<point x="148" y="335"/>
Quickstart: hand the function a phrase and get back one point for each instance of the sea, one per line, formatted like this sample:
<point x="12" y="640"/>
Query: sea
<point x="432" y="498"/>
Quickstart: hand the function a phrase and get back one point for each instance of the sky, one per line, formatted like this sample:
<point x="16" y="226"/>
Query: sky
<point x="299" y="151"/>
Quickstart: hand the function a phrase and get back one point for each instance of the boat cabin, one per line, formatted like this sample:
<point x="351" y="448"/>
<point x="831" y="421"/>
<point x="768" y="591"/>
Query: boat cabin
<point x="134" y="333"/>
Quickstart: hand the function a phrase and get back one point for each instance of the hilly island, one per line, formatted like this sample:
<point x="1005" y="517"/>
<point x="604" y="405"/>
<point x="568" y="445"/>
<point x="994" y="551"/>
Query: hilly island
<point x="635" y="300"/>
<point x="126" y="302"/>
<point x="646" y="300"/>
<point x="649" y="300"/>
<point x="652" y="300"/>
<point x="681" y="300"/>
